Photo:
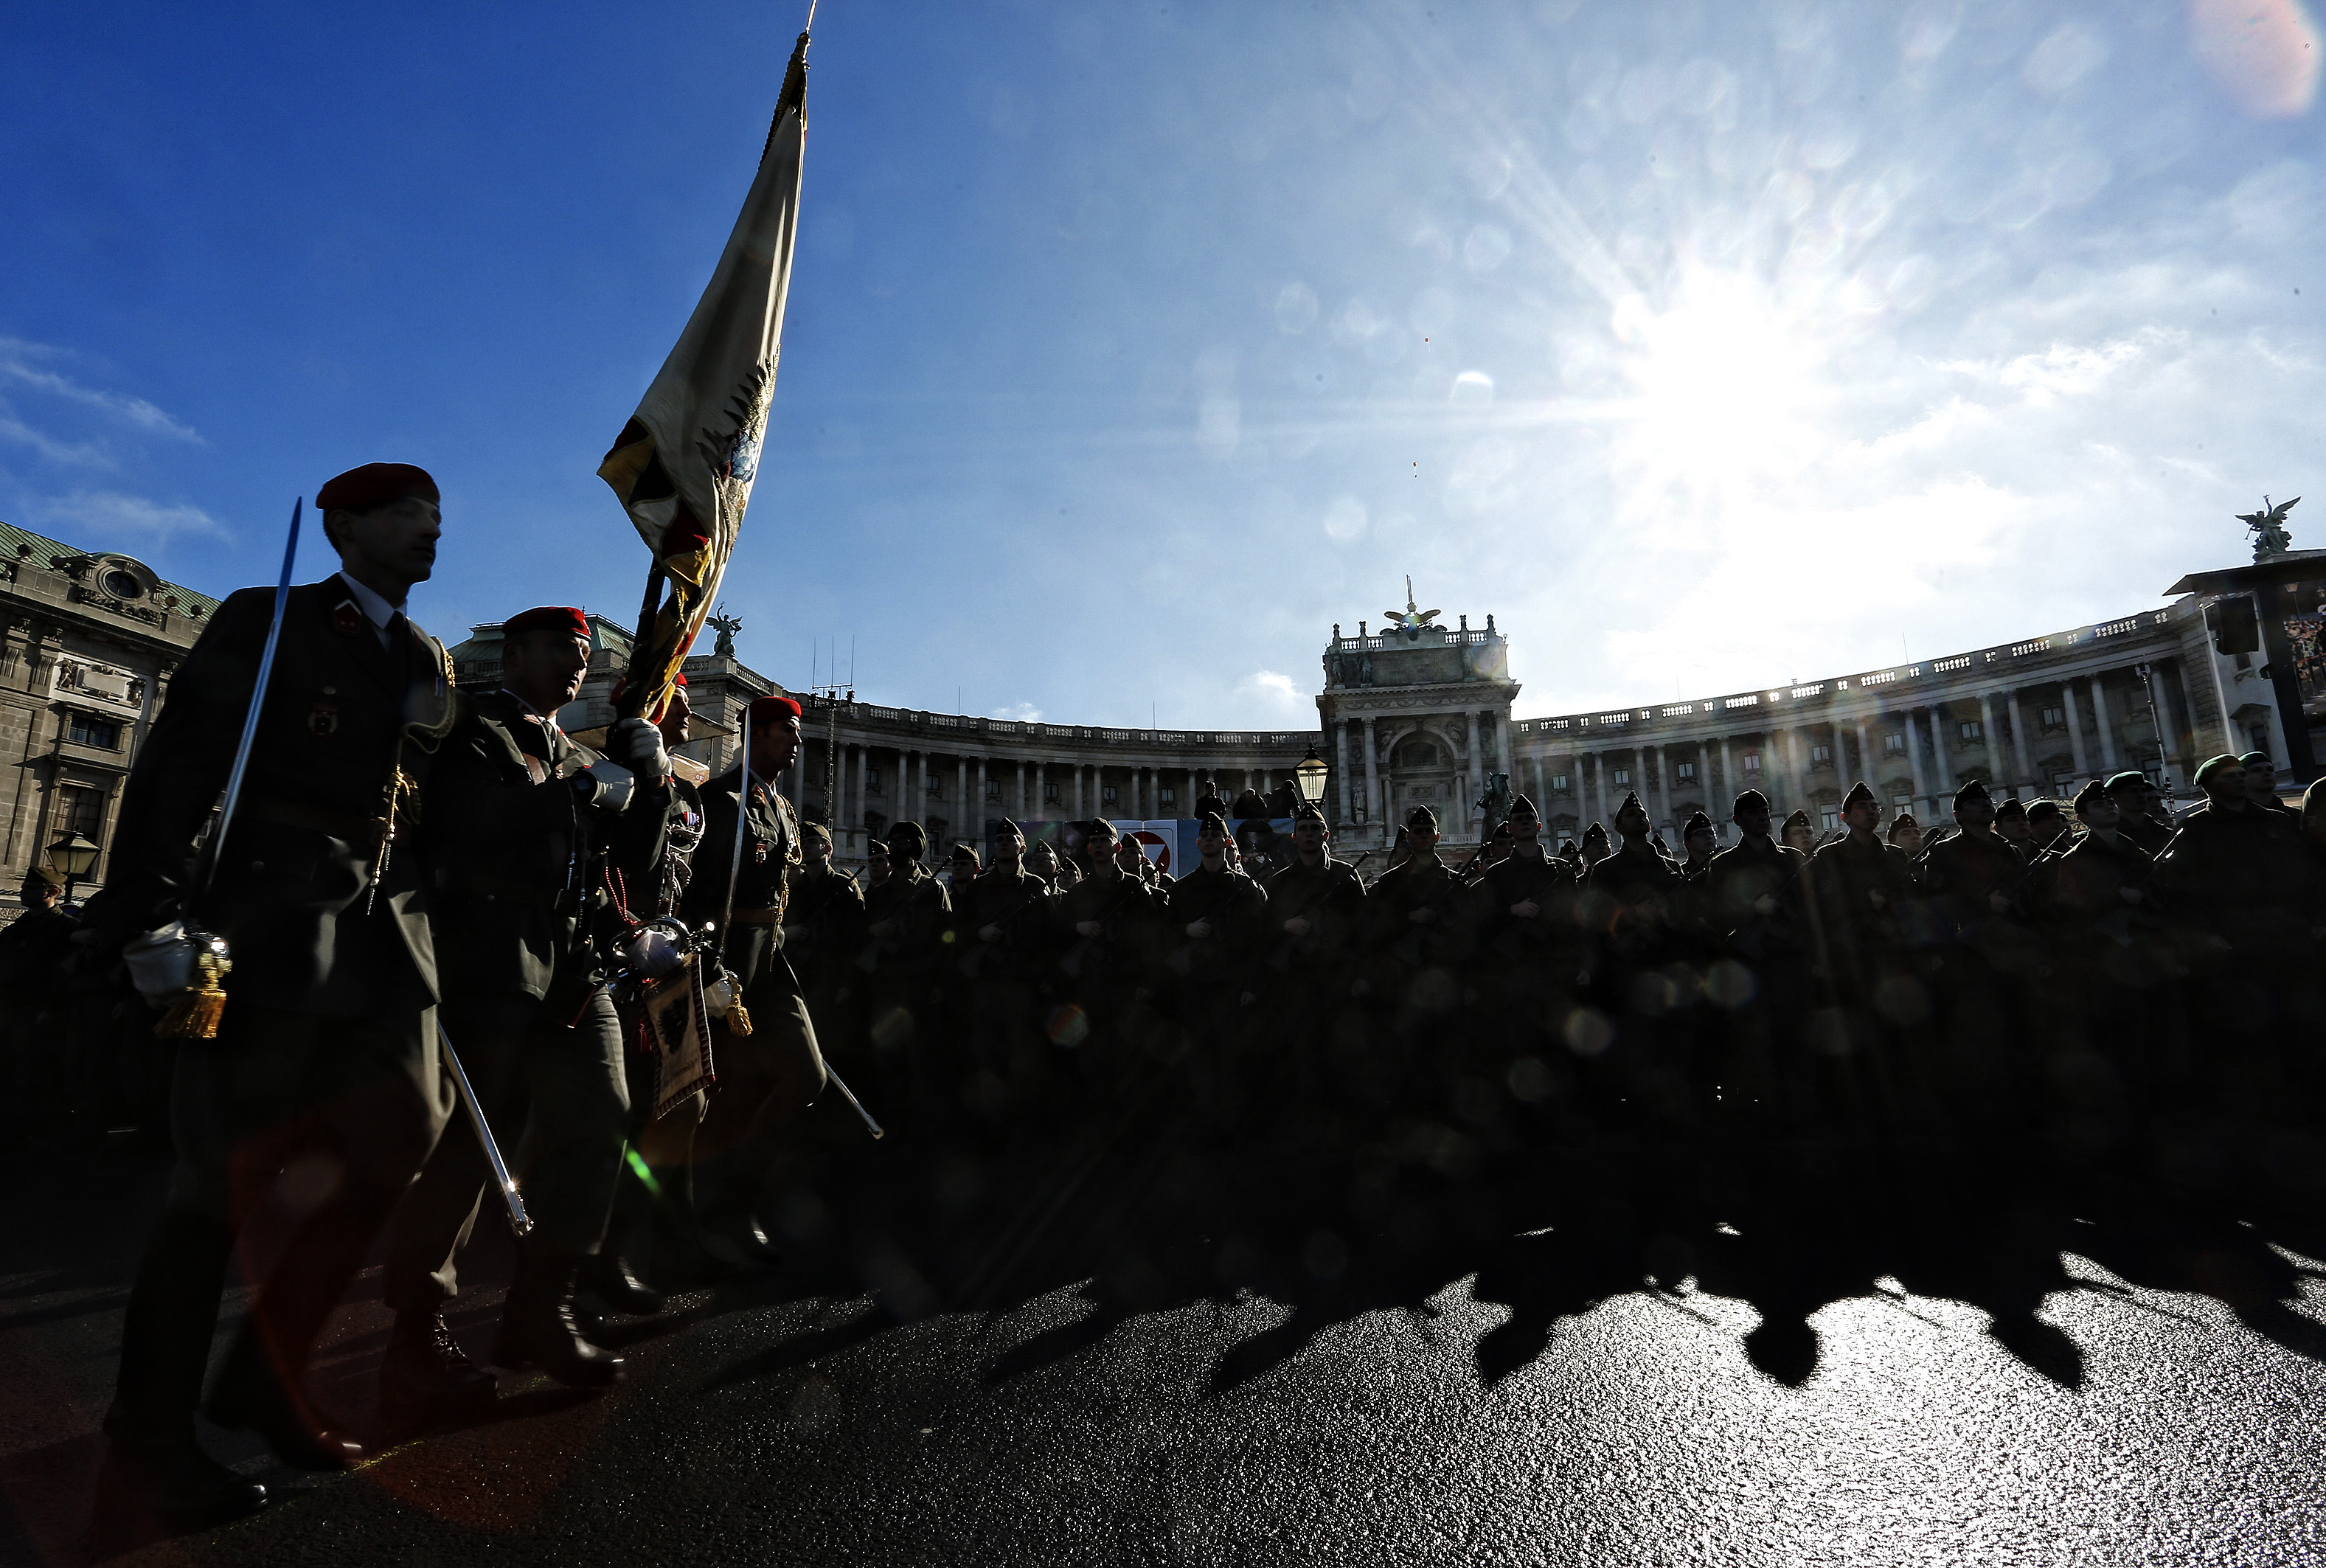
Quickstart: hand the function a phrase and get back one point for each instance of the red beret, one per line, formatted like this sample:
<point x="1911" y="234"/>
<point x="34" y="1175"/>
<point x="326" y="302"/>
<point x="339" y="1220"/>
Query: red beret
<point x="548" y="618"/>
<point x="374" y="484"/>
<point x="771" y="710"/>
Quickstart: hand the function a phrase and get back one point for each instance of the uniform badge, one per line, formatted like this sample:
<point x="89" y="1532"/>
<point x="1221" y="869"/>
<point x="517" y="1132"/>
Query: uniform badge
<point x="346" y="619"/>
<point x="324" y="718"/>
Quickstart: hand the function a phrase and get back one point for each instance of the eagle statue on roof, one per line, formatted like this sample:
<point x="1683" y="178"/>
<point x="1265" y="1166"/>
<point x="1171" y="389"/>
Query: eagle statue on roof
<point x="1413" y="618"/>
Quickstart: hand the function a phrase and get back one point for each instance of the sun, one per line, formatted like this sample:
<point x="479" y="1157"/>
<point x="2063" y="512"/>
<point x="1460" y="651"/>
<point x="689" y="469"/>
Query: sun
<point x="1723" y="384"/>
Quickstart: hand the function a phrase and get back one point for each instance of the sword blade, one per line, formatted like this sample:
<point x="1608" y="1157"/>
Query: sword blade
<point x="257" y="702"/>
<point x="854" y="1104"/>
<point x="519" y="1220"/>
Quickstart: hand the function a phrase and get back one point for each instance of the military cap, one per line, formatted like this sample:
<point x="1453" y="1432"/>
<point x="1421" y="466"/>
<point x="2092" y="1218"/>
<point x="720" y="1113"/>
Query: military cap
<point x="561" y="617"/>
<point x="906" y="839"/>
<point x="773" y="711"/>
<point x="1857" y="792"/>
<point x="2090" y="796"/>
<point x="1308" y="813"/>
<point x="1100" y="827"/>
<point x="2212" y="765"/>
<point x="1522" y="806"/>
<point x="1976" y="790"/>
<point x="1751" y="799"/>
<point x="37" y="880"/>
<point x="1595" y="831"/>
<point x="1503" y="830"/>
<point x="1797" y="819"/>
<point x="1698" y="822"/>
<point x="2011" y="807"/>
<point x="2130" y="778"/>
<point x="1005" y="828"/>
<point x="2254" y="759"/>
<point x="1212" y="822"/>
<point x="374" y="484"/>
<point x="1421" y="817"/>
<point x="1632" y="803"/>
<point x="815" y="830"/>
<point x="874" y="848"/>
<point x="964" y="851"/>
<point x="2047" y="806"/>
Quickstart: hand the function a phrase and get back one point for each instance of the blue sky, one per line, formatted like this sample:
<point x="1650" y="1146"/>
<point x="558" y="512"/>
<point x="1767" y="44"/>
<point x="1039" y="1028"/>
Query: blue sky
<point x="1130" y="348"/>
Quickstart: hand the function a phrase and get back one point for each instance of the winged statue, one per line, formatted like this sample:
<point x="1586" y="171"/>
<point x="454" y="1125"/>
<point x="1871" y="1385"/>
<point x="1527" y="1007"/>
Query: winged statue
<point x="1413" y="618"/>
<point x="2270" y="537"/>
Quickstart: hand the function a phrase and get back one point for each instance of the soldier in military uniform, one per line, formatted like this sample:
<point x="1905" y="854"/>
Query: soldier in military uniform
<point x="2132" y="793"/>
<point x="2110" y="996"/>
<point x="1972" y="880"/>
<point x="1211" y="924"/>
<point x="824" y="930"/>
<point x="1003" y="918"/>
<point x="1857" y="888"/>
<point x="1315" y="908"/>
<point x="34" y="1014"/>
<point x="1753" y="911"/>
<point x="1525" y="957"/>
<point x="1624" y="908"/>
<point x="1105" y="930"/>
<point x="529" y="832"/>
<point x="327" y="1034"/>
<point x="769" y="1072"/>
<point x="1414" y="948"/>
<point x="907" y="915"/>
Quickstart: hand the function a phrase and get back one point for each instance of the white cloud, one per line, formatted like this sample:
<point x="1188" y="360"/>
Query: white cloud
<point x="105" y="515"/>
<point x="19" y="363"/>
<point x="1023" y="712"/>
<point x="1273" y="689"/>
<point x="78" y="454"/>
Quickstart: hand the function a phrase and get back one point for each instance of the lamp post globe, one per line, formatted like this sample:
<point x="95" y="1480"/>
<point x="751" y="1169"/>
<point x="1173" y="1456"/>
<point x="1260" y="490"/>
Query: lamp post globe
<point x="70" y="857"/>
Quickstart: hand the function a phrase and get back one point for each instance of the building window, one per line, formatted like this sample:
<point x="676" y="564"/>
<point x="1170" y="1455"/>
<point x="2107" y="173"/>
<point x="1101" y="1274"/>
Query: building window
<point x="1049" y="794"/>
<point x="1893" y="744"/>
<point x="81" y="809"/>
<point x="1170" y="794"/>
<point x="88" y="730"/>
<point x="1751" y="761"/>
<point x="1559" y="781"/>
<point x="1106" y="796"/>
<point x="1902" y="802"/>
<point x="1828" y="818"/>
<point x="1685" y="772"/>
<point x="1970" y="730"/>
<point x="1621" y="776"/>
<point x="993" y="788"/>
<point x="936" y="789"/>
<point x="1420" y="754"/>
<point x="871" y="779"/>
<point x="1820" y="756"/>
<point x="122" y="584"/>
<point x="2054" y="719"/>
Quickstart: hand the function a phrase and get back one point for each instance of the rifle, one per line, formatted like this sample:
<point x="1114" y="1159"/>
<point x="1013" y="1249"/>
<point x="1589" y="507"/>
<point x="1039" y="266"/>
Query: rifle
<point x="1074" y="960"/>
<point x="1281" y="960"/>
<point x="1406" y="948"/>
<point x="974" y="960"/>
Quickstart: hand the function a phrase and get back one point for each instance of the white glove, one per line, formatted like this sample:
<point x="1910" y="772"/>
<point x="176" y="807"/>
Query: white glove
<point x="610" y="785"/>
<point x="161" y="963"/>
<point x="640" y="743"/>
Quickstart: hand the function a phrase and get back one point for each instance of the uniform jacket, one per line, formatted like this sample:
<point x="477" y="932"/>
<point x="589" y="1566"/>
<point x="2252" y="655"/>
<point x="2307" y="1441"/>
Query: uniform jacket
<point x="1738" y="878"/>
<point x="917" y="904"/>
<point x="520" y="864"/>
<point x="2242" y="876"/>
<point x="824" y="925"/>
<point x="1501" y="939"/>
<point x="1234" y="906"/>
<point x="1120" y="957"/>
<point x="753" y="947"/>
<point x="1859" y="892"/>
<point x="343" y="720"/>
<point x="1634" y="882"/>
<point x="1393" y="939"/>
<point x="1017" y="901"/>
<point x="1331" y="897"/>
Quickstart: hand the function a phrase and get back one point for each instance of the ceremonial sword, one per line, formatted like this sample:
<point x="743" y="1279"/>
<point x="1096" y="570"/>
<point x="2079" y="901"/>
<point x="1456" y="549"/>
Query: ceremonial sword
<point x="519" y="1220"/>
<point x="250" y="719"/>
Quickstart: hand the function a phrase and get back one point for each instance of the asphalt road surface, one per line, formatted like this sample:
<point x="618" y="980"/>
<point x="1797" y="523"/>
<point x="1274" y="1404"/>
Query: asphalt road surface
<point x="1124" y="1348"/>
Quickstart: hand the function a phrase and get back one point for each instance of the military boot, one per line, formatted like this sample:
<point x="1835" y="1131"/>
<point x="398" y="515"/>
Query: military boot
<point x="608" y="1275"/>
<point x="426" y="1375"/>
<point x="538" y="1330"/>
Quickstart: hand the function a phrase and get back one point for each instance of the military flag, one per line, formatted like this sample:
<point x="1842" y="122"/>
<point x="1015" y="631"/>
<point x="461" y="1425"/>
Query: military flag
<point x="684" y="465"/>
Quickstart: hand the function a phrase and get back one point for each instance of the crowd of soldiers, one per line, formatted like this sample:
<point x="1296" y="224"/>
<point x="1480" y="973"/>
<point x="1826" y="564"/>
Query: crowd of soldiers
<point x="442" y="871"/>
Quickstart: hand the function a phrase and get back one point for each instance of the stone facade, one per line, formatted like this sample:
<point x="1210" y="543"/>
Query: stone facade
<point x="87" y="643"/>
<point x="1406" y="717"/>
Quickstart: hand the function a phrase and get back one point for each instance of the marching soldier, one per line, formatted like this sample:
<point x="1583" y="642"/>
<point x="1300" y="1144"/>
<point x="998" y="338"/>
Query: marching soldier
<point x="1623" y="906"/>
<point x="1106" y="927"/>
<point x="769" y="1061"/>
<point x="1857" y="888"/>
<point x="529" y="832"/>
<point x="2108" y="979"/>
<point x="1753" y="903"/>
<point x="1414" y="951"/>
<point x="824" y="930"/>
<point x="906" y="917"/>
<point x="2133" y="793"/>
<point x="327" y="1032"/>
<point x="1972" y="880"/>
<point x="1212" y="924"/>
<point x="1525" y="955"/>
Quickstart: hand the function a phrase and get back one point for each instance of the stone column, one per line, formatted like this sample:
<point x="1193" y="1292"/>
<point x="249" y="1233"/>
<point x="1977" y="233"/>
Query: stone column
<point x="1341" y="768"/>
<point x="1663" y="792"/>
<point x="1800" y="774"/>
<point x="2019" y="741"/>
<point x="1986" y="735"/>
<point x="1478" y="764"/>
<point x="1081" y="815"/>
<point x="2101" y="725"/>
<point x="1914" y="762"/>
<point x="1374" y="808"/>
<point x="851" y="809"/>
<point x="981" y="797"/>
<point x="2075" y="730"/>
<point x="2168" y="728"/>
<point x="1589" y="814"/>
<point x="961" y="801"/>
<point x="1866" y="773"/>
<point x="1728" y="787"/>
<point x="1021" y="813"/>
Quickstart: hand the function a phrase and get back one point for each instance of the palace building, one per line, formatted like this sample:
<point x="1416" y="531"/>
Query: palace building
<point x="1417" y="714"/>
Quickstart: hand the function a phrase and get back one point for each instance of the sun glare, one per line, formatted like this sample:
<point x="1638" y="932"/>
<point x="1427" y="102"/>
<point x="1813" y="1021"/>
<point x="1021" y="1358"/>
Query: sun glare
<point x="1722" y="384"/>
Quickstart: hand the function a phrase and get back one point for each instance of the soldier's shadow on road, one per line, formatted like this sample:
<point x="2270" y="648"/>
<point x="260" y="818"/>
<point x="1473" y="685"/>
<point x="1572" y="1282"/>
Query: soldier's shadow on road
<point x="1335" y="1228"/>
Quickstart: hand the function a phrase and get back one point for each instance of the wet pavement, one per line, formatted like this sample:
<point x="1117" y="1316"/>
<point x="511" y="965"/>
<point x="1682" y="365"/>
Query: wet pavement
<point x="1138" y="1349"/>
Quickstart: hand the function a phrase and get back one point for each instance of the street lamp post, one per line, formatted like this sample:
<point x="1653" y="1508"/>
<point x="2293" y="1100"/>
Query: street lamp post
<point x="1308" y="778"/>
<point x="70" y="858"/>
